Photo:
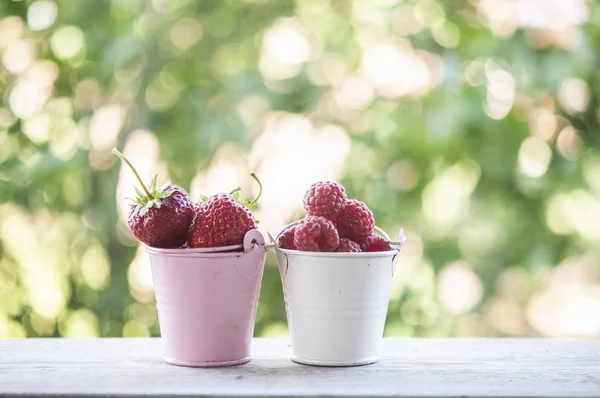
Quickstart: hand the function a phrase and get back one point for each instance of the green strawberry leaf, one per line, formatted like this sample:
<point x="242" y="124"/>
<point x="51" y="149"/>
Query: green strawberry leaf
<point x="152" y="188"/>
<point x="150" y="197"/>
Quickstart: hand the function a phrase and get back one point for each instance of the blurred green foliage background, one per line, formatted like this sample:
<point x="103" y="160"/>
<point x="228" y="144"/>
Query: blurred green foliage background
<point x="473" y="124"/>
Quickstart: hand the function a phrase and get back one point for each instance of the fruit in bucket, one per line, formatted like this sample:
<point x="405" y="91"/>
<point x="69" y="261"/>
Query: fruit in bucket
<point x="348" y="246"/>
<point x="325" y="199"/>
<point x="375" y="243"/>
<point x="355" y="221"/>
<point x="286" y="239"/>
<point x="316" y="234"/>
<point x="159" y="217"/>
<point x="165" y="217"/>
<point x="333" y="223"/>
<point x="222" y="220"/>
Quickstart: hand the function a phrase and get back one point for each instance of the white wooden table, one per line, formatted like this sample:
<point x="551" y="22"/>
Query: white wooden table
<point x="414" y="367"/>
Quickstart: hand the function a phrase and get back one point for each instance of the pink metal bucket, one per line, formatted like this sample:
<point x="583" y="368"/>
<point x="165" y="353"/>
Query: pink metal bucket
<point x="207" y="302"/>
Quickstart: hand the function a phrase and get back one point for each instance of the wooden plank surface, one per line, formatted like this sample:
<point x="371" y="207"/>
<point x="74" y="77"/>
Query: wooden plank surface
<point x="408" y="367"/>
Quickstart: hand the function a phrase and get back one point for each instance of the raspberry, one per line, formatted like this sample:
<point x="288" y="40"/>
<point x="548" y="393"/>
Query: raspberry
<point x="375" y="243"/>
<point x="325" y="199"/>
<point x="286" y="239"/>
<point x="316" y="234"/>
<point x="355" y="221"/>
<point x="349" y="246"/>
<point x="220" y="221"/>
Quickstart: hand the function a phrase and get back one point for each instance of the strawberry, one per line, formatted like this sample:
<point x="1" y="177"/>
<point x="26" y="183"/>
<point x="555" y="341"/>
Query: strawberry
<point x="159" y="217"/>
<point x="222" y="220"/>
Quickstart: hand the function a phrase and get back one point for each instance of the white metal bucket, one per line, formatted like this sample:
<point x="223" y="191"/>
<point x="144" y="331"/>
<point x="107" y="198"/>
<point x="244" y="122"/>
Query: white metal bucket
<point x="336" y="303"/>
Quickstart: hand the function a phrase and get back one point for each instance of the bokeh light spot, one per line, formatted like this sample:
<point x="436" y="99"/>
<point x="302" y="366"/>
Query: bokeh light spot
<point x="26" y="98"/>
<point x="459" y="288"/>
<point x="534" y="157"/>
<point x="445" y="199"/>
<point x="185" y="33"/>
<point x="446" y="35"/>
<point x="81" y="323"/>
<point x="11" y="29"/>
<point x="37" y="128"/>
<point x="67" y="42"/>
<point x="105" y="125"/>
<point x="19" y="56"/>
<point x="552" y="14"/>
<point x="403" y="175"/>
<point x="135" y="328"/>
<point x="139" y="276"/>
<point x="395" y="72"/>
<point x="95" y="267"/>
<point x="543" y="123"/>
<point x="574" y="95"/>
<point x="568" y="143"/>
<point x="41" y="14"/>
<point x="501" y="90"/>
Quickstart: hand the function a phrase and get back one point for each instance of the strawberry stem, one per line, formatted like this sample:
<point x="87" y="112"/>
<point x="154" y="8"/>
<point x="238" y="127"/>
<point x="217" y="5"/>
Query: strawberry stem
<point x="123" y="158"/>
<point x="259" y="188"/>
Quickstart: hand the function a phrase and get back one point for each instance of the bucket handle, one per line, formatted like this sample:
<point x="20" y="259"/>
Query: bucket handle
<point x="253" y="240"/>
<point x="398" y="243"/>
<point x="282" y="259"/>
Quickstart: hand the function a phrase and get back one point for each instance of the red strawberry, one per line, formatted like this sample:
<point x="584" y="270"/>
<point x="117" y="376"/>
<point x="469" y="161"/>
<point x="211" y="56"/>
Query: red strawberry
<point x="220" y="221"/>
<point x="324" y="199"/>
<point x="286" y="239"/>
<point x="159" y="217"/>
<point x="348" y="246"/>
<point x="316" y="234"/>
<point x="355" y="221"/>
<point x="375" y="243"/>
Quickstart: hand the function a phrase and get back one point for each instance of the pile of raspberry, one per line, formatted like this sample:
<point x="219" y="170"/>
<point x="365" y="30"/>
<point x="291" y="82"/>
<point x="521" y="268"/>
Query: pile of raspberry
<point x="333" y="223"/>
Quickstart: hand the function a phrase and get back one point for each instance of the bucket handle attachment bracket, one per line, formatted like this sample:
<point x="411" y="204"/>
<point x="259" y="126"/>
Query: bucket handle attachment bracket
<point x="280" y="255"/>
<point x="253" y="240"/>
<point x="398" y="243"/>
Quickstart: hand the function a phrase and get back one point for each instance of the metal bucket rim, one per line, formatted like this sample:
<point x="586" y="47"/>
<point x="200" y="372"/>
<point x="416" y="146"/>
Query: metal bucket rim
<point x="252" y="240"/>
<point x="187" y="252"/>
<point x="290" y="252"/>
